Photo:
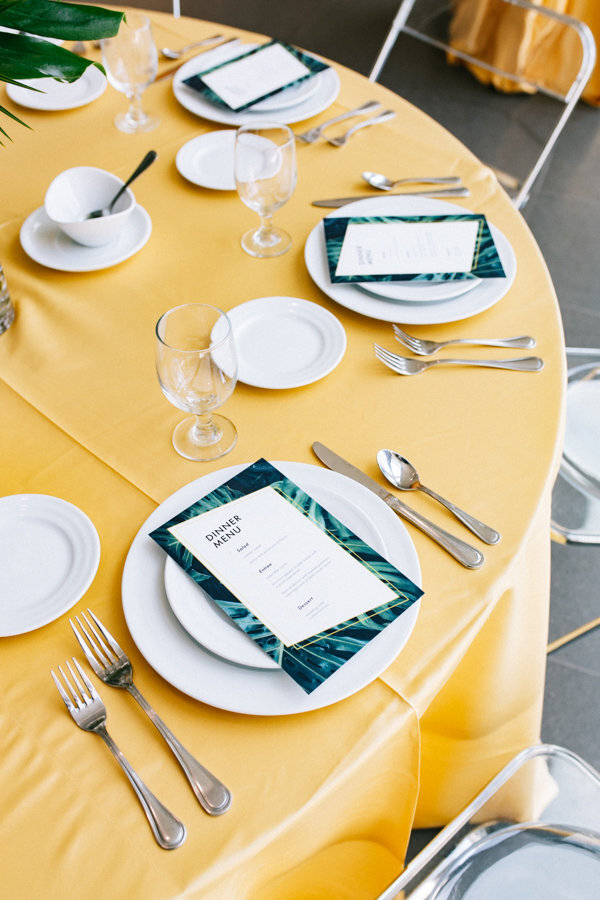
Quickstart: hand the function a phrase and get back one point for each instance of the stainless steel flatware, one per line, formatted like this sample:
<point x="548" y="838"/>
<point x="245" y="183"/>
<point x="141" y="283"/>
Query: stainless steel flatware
<point x="403" y="365"/>
<point x="89" y="713"/>
<point x="342" y="139"/>
<point x="422" y="347"/>
<point x="171" y="53"/>
<point x="465" y="554"/>
<point x="313" y="134"/>
<point x="403" y="475"/>
<point x="106" y="211"/>
<point x="335" y="202"/>
<point x="113" y="667"/>
<point x="386" y="184"/>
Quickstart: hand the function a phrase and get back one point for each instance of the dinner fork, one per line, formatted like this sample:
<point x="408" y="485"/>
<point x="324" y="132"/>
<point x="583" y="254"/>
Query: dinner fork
<point x="342" y="139"/>
<point x="427" y="348"/>
<point x="405" y="366"/>
<point x="313" y="134"/>
<point x="112" y="666"/>
<point x="89" y="713"/>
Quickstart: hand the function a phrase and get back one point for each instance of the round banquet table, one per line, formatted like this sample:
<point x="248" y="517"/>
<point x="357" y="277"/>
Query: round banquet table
<point x="324" y="802"/>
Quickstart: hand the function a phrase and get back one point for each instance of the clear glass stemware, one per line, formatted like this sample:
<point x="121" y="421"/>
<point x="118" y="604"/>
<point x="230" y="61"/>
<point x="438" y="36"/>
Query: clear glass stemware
<point x="131" y="62"/>
<point x="197" y="371"/>
<point x="265" y="177"/>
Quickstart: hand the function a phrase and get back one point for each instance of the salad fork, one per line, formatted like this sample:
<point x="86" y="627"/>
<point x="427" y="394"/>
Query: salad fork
<point x="313" y="134"/>
<point x="427" y="348"/>
<point x="89" y="713"/>
<point x="374" y="120"/>
<point x="112" y="666"/>
<point x="406" y="366"/>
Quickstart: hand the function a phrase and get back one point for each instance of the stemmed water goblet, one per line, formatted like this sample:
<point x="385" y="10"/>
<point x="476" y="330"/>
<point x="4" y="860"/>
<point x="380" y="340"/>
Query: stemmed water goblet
<point x="265" y="178"/>
<point x="197" y="371"/>
<point x="131" y="62"/>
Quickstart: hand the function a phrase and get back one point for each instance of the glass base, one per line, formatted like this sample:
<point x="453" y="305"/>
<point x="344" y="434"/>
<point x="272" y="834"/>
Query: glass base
<point x="273" y="243"/>
<point x="201" y="442"/>
<point x="131" y="125"/>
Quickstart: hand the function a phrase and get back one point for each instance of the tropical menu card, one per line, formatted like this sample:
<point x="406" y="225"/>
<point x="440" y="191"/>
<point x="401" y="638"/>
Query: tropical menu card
<point x="306" y="589"/>
<point x="411" y="248"/>
<point x="240" y="83"/>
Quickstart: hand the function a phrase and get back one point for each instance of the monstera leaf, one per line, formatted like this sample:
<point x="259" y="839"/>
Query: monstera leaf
<point x="26" y="55"/>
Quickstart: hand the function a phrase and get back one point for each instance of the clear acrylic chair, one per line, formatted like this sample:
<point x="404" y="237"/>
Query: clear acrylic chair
<point x="433" y="22"/>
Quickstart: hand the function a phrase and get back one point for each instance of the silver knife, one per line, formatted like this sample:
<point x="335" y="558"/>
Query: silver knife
<point x="465" y="554"/>
<point x="436" y="192"/>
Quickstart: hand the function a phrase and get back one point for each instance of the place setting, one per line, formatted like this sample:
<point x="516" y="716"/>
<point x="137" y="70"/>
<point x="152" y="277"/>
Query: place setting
<point x="415" y="260"/>
<point x="234" y="84"/>
<point x="90" y="220"/>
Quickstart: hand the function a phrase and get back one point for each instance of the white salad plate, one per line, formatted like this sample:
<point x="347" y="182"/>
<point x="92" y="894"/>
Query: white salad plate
<point x="46" y="244"/>
<point x="482" y="297"/>
<point x="325" y="92"/>
<point x="419" y="291"/>
<point x="208" y="624"/>
<point x="57" y="95"/>
<point x="285" y="342"/>
<point x="207" y="160"/>
<point x="189" y="667"/>
<point x="49" y="554"/>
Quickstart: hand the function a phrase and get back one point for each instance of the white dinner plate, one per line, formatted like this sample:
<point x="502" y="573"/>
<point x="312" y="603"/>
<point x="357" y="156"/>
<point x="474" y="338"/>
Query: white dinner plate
<point x="181" y="661"/>
<point x="327" y="89"/>
<point x="45" y="243"/>
<point x="49" y="554"/>
<point x="285" y="342"/>
<point x="207" y="160"/>
<point x="208" y="624"/>
<point x="482" y="297"/>
<point x="59" y="94"/>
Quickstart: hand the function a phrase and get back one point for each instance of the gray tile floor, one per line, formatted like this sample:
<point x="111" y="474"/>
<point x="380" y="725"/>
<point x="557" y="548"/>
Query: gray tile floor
<point x="564" y="216"/>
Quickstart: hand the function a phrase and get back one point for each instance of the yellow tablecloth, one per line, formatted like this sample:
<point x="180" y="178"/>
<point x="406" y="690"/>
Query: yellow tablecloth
<point x="323" y="802"/>
<point x="526" y="43"/>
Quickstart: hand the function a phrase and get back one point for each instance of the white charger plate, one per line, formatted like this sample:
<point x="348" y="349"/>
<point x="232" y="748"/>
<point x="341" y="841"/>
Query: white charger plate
<point x="49" y="554"/>
<point x="181" y="661"/>
<point x="285" y="342"/>
<point x="326" y="91"/>
<point x="207" y="160"/>
<point x="45" y="243"/>
<point x="59" y="95"/>
<point x="482" y="297"/>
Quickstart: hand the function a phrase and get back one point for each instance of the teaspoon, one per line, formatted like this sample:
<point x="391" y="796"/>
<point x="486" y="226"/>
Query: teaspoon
<point x="386" y="184"/>
<point x="404" y="476"/>
<point x="147" y="160"/>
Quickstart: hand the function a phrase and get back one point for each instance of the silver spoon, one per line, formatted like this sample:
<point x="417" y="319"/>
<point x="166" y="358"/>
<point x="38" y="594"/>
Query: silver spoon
<point x="147" y="160"/>
<point x="386" y="184"/>
<point x="404" y="476"/>
<point x="171" y="53"/>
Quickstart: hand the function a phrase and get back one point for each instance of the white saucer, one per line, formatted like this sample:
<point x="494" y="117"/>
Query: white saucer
<point x="285" y="342"/>
<point x="45" y="243"/>
<point x="206" y="622"/>
<point x="59" y="94"/>
<point x="207" y="160"/>
<point x="49" y="554"/>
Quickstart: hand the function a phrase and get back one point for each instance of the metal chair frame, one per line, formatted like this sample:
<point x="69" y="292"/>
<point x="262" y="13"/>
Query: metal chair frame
<point x="570" y="98"/>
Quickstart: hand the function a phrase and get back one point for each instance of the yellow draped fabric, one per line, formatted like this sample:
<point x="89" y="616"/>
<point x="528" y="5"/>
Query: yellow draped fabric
<point x="525" y="43"/>
<point x="323" y="802"/>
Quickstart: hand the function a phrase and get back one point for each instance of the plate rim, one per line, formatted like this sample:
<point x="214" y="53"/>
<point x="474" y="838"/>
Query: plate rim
<point x="18" y="94"/>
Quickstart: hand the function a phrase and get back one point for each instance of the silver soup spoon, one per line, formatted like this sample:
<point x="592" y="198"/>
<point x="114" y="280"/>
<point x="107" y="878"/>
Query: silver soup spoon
<point x="404" y="476"/>
<point x="386" y="184"/>
<point x="106" y="210"/>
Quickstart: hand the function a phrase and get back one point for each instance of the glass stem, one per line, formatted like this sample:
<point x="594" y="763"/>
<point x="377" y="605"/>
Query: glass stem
<point x="265" y="232"/>
<point x="135" y="107"/>
<point x="205" y="431"/>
